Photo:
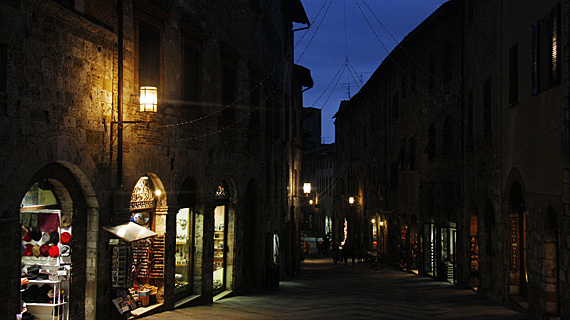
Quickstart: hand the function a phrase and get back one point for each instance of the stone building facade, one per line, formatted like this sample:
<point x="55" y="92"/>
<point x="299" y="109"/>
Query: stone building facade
<point x="225" y="138"/>
<point x="472" y="182"/>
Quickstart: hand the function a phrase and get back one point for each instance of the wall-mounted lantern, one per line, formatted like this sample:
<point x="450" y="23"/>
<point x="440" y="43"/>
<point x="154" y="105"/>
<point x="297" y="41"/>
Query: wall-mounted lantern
<point x="351" y="200"/>
<point x="148" y="99"/>
<point x="307" y="188"/>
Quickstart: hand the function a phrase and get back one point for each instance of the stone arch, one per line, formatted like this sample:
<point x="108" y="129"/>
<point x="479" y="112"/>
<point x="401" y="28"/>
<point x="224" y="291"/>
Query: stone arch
<point x="551" y="282"/>
<point x="77" y="197"/>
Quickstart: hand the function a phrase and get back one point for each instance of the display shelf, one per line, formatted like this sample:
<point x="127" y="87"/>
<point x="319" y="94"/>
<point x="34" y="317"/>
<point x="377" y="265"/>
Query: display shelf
<point x="38" y="304"/>
<point x="45" y="281"/>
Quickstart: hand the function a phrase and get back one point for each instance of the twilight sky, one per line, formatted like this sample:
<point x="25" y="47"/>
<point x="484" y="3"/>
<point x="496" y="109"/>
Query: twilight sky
<point x="342" y="48"/>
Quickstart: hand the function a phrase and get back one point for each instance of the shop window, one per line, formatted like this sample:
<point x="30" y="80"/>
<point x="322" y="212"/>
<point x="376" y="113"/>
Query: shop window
<point x="514" y="75"/>
<point x="184" y="257"/>
<point x="149" y="55"/>
<point x="46" y="258"/>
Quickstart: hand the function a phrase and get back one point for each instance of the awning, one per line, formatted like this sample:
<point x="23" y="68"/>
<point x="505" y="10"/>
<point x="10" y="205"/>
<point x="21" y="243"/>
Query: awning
<point x="130" y="232"/>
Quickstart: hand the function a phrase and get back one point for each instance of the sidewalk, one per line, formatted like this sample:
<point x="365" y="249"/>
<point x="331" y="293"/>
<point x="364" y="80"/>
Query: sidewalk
<point x="326" y="291"/>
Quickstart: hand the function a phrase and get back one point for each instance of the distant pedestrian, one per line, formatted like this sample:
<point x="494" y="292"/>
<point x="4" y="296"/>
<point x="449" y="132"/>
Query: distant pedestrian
<point x="335" y="252"/>
<point x="306" y="249"/>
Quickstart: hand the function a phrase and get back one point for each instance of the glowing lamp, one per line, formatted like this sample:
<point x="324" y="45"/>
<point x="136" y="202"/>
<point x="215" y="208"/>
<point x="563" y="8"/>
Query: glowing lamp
<point x="148" y="99"/>
<point x="351" y="200"/>
<point x="307" y="187"/>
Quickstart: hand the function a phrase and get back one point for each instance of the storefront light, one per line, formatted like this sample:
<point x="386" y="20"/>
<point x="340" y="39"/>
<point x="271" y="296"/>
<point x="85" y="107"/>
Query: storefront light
<point x="381" y="223"/>
<point x="148" y="99"/>
<point x="311" y="202"/>
<point x="351" y="200"/>
<point x="158" y="192"/>
<point x="373" y="220"/>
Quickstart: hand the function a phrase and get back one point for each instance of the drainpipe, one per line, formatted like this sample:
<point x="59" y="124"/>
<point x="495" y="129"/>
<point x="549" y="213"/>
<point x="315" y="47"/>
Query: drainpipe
<point x="120" y="97"/>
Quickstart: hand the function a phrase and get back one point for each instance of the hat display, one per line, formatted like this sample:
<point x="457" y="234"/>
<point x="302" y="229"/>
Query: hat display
<point x="27" y="237"/>
<point x="65" y="238"/>
<point x="66" y="221"/>
<point x="44" y="250"/>
<point x="54" y="251"/>
<point x="48" y="221"/>
<point x="36" y="250"/>
<point x="28" y="250"/>
<point x="36" y="235"/>
<point x="54" y="237"/>
<point x="65" y="251"/>
<point x="31" y="295"/>
<point x="45" y="237"/>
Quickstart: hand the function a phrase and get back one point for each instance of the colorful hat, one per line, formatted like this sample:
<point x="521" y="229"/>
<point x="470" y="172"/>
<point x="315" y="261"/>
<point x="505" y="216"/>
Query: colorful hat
<point x="54" y="237"/>
<point x="44" y="250"/>
<point x="48" y="221"/>
<point x="65" y="238"/>
<point x="53" y="251"/>
<point x="36" y="250"/>
<point x="27" y="237"/>
<point x="28" y="250"/>
<point x="66" y="221"/>
<point x="45" y="237"/>
<point x="36" y="235"/>
<point x="65" y="251"/>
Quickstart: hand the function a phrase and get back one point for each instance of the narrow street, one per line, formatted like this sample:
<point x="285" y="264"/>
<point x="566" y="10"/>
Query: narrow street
<point x="326" y="291"/>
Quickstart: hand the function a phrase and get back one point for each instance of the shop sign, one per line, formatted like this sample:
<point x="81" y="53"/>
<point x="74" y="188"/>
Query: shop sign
<point x="142" y="197"/>
<point x="514" y="236"/>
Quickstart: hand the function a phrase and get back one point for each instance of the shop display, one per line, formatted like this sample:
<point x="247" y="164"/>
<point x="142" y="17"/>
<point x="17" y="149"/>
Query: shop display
<point x="45" y="270"/>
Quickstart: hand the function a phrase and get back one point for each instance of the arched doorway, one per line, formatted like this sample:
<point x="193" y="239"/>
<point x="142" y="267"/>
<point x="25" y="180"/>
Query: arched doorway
<point x="224" y="238"/>
<point x="551" y="262"/>
<point x="189" y="223"/>
<point x="518" y="240"/>
<point x="59" y="210"/>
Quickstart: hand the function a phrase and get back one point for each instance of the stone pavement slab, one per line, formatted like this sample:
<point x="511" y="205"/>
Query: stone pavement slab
<point x="322" y="290"/>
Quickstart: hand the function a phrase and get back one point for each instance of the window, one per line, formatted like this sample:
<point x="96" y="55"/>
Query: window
<point x="470" y="121"/>
<point x="431" y="71"/>
<point x="191" y="71"/>
<point x="545" y="52"/>
<point x="535" y="59"/>
<point x="447" y="138"/>
<point x="149" y="55"/>
<point x="413" y="79"/>
<point x="487" y="108"/>
<point x="3" y="66"/>
<point x="447" y="63"/>
<point x="554" y="44"/>
<point x="430" y="148"/>
<point x="229" y="94"/>
<point x="513" y="75"/>
<point x="403" y="87"/>
<point x="395" y="107"/>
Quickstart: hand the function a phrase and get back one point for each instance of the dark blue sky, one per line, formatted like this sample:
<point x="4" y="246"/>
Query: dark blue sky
<point x="326" y="45"/>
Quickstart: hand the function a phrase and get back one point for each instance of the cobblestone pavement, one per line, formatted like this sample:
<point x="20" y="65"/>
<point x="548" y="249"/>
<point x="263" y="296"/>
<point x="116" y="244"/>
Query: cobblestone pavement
<point x="322" y="290"/>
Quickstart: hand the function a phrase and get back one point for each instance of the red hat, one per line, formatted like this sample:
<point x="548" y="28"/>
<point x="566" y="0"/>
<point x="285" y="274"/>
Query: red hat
<point x="53" y="251"/>
<point x="27" y="237"/>
<point x="65" y="238"/>
<point x="44" y="250"/>
<point x="28" y="250"/>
